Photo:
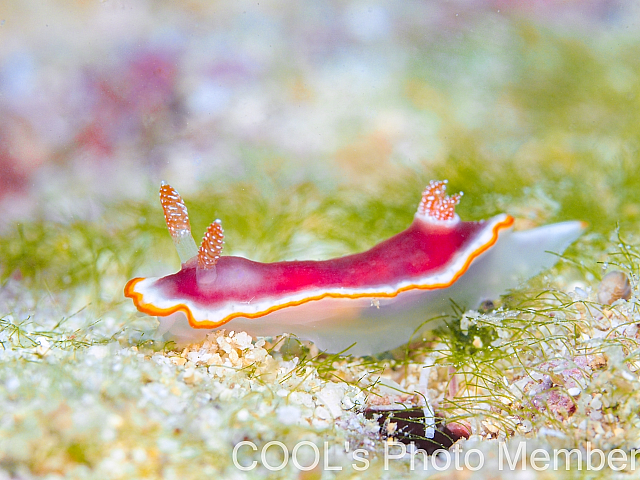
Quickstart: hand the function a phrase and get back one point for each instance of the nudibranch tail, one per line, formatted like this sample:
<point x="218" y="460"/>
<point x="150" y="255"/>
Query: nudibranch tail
<point x="436" y="204"/>
<point x="177" y="220"/>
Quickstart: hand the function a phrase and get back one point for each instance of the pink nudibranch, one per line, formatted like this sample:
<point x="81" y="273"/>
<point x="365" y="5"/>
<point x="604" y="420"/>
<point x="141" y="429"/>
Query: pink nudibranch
<point x="372" y="301"/>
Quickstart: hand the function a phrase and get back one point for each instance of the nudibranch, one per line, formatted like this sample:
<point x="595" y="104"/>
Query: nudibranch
<point x="371" y="302"/>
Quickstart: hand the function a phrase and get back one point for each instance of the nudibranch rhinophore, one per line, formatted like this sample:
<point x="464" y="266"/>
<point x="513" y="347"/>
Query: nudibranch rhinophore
<point x="372" y="301"/>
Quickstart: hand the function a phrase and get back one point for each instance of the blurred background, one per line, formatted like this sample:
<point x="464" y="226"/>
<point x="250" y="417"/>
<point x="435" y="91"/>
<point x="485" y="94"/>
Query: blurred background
<point x="100" y="100"/>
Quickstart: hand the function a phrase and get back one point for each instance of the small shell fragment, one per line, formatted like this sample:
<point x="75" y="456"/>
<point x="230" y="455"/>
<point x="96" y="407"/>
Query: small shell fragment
<point x="614" y="286"/>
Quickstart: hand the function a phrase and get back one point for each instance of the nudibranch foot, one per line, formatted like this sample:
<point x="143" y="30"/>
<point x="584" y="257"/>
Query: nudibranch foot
<point x="372" y="301"/>
<point x="176" y="328"/>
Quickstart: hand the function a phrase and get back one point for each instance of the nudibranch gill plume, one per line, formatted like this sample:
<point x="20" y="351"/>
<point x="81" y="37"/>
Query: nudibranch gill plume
<point x="364" y="303"/>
